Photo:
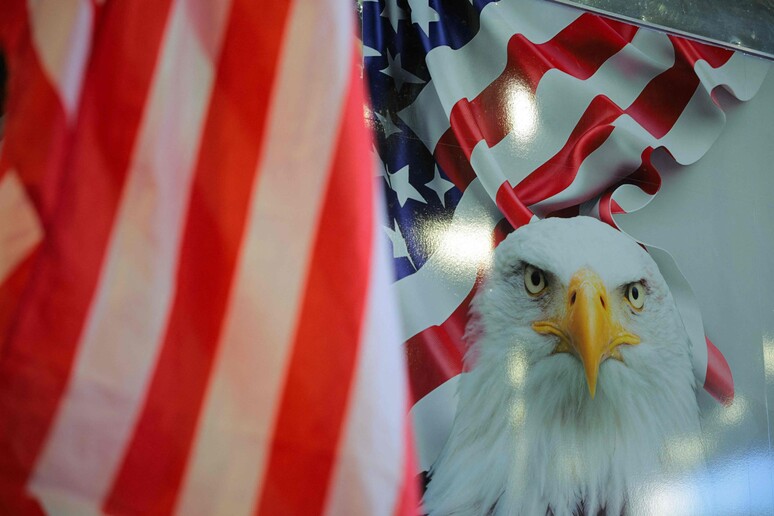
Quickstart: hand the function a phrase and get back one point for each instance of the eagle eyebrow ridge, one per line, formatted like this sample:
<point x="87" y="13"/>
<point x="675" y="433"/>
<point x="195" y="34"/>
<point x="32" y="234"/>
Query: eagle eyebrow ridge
<point x="517" y="268"/>
<point x="645" y="283"/>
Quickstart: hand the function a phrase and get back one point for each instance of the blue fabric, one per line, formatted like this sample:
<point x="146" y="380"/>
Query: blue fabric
<point x="458" y="23"/>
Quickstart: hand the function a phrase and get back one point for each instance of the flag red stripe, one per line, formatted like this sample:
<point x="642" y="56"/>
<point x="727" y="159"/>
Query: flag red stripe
<point x="451" y="157"/>
<point x="662" y="101"/>
<point x="605" y="208"/>
<point x="40" y="349"/>
<point x="408" y="493"/>
<point x="13" y="25"/>
<point x="318" y="381"/>
<point x="657" y="108"/>
<point x="35" y="150"/>
<point x="511" y="206"/>
<point x="578" y="50"/>
<point x="646" y="177"/>
<point x="560" y="170"/>
<point x="11" y="290"/>
<point x="225" y="172"/>
<point x="664" y="98"/>
<point x="436" y="354"/>
<point x="719" y="381"/>
<point x="565" y="213"/>
<point x="693" y="51"/>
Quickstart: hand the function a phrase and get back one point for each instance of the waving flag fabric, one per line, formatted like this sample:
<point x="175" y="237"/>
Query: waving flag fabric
<point x="194" y="298"/>
<point x="490" y="113"/>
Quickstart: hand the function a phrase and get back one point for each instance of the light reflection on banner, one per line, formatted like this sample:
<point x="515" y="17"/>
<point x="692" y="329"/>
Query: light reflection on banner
<point x="740" y="486"/>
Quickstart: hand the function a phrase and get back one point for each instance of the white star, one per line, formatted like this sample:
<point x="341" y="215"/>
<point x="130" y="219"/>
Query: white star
<point x="399" y="248"/>
<point x="393" y="13"/>
<point x="388" y="126"/>
<point x="381" y="171"/>
<point x="398" y="74"/>
<point x="422" y="14"/>
<point x="440" y="186"/>
<point x="370" y="52"/>
<point x="399" y="181"/>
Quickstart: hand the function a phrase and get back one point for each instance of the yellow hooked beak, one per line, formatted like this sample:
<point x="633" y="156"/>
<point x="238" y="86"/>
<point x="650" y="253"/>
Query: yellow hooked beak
<point x="588" y="329"/>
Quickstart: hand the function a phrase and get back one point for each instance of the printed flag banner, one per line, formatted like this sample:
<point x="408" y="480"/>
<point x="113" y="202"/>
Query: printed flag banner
<point x="528" y="115"/>
<point x="195" y="314"/>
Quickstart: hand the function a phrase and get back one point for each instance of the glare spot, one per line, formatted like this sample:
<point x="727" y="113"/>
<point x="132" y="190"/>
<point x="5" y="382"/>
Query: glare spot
<point x="733" y="414"/>
<point x="667" y="498"/>
<point x="368" y="116"/>
<point x="517" y="369"/>
<point x="568" y="460"/>
<point x="521" y="111"/>
<point x="460" y="245"/>
<point x="517" y="412"/>
<point x="737" y="486"/>
<point x="685" y="452"/>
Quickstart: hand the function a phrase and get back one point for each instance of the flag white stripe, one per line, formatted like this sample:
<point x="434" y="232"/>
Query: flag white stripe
<point x="369" y="473"/>
<point x="694" y="132"/>
<point x="621" y="151"/>
<point x="486" y="53"/>
<point x="125" y="326"/>
<point x="691" y="136"/>
<point x="561" y="98"/>
<point x="702" y="121"/>
<point x="430" y="295"/>
<point x="62" y="34"/>
<point x="742" y="75"/>
<point x="442" y="288"/>
<point x="591" y="209"/>
<point x="231" y="445"/>
<point x="433" y="416"/>
<point x="537" y="21"/>
<point x="20" y="231"/>
<point x="630" y="198"/>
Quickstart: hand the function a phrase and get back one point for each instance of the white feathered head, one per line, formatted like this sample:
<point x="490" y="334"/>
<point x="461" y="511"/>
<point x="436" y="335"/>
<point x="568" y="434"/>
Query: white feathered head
<point x="580" y="378"/>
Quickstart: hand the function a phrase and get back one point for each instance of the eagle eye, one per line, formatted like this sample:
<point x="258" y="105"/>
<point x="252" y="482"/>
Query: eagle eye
<point x="534" y="280"/>
<point x="635" y="295"/>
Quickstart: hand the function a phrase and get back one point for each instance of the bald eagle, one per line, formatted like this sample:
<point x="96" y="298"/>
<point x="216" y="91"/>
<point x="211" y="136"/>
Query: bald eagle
<point x="580" y="377"/>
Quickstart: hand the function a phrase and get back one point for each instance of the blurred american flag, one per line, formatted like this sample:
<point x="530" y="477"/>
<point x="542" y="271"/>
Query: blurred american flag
<point x="194" y="303"/>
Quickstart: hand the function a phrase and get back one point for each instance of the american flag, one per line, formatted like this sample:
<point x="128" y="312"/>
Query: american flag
<point x="490" y="113"/>
<point x="194" y="291"/>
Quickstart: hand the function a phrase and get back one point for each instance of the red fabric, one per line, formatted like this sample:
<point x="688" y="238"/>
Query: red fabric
<point x="39" y="351"/>
<point x="88" y="144"/>
<point x="580" y="49"/>
<point x="719" y="381"/>
<point x="318" y="383"/>
<point x="216" y="217"/>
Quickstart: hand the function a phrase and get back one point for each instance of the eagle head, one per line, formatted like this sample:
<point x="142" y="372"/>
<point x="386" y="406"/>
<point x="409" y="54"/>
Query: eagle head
<point x="580" y="378"/>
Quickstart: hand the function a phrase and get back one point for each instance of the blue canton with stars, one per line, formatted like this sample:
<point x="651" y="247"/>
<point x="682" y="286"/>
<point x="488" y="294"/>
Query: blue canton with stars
<point x="397" y="35"/>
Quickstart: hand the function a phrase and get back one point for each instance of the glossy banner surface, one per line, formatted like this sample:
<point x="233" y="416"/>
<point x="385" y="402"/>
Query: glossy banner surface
<point x="579" y="218"/>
